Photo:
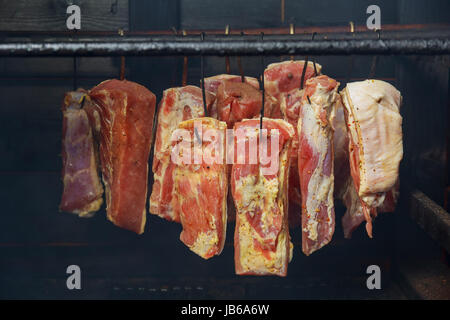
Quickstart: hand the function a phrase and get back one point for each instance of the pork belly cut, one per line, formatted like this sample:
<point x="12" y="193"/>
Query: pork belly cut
<point x="201" y="185"/>
<point x="315" y="162"/>
<point x="261" y="239"/>
<point x="374" y="125"/>
<point x="126" y="112"/>
<point x="177" y="105"/>
<point x="282" y="81"/>
<point x="212" y="85"/>
<point x="83" y="190"/>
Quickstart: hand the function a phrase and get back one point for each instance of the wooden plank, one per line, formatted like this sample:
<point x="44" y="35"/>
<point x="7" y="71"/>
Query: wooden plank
<point x="50" y="15"/>
<point x="197" y="14"/>
<point x="424" y="83"/>
<point x="59" y="67"/>
<point x="430" y="217"/>
<point x="422" y="11"/>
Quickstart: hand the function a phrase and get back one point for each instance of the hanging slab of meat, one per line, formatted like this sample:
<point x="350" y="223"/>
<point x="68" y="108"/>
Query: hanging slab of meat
<point x="283" y="77"/>
<point x="315" y="162"/>
<point x="212" y="85"/>
<point x="201" y="186"/>
<point x="83" y="190"/>
<point x="177" y="105"/>
<point x="374" y="125"/>
<point x="282" y="81"/>
<point x="261" y="239"/>
<point x="126" y="112"/>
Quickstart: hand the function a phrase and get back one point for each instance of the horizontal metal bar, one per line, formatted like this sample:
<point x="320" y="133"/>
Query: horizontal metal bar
<point x="407" y="42"/>
<point x="431" y="217"/>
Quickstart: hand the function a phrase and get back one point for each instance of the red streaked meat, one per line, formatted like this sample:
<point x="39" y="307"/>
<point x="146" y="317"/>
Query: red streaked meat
<point x="282" y="81"/>
<point x="177" y="105"/>
<point x="261" y="239"/>
<point x="283" y="77"/>
<point x="126" y="112"/>
<point x="237" y="101"/>
<point x="200" y="197"/>
<point x="315" y="162"/>
<point x="83" y="190"/>
<point x="212" y="85"/>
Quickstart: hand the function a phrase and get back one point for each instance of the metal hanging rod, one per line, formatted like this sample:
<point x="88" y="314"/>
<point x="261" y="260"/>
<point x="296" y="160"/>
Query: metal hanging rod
<point x="398" y="42"/>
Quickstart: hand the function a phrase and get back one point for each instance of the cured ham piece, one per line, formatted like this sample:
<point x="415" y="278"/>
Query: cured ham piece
<point x="177" y="105"/>
<point x="212" y="85"/>
<point x="282" y="81"/>
<point x="374" y="125"/>
<point x="237" y="101"/>
<point x="283" y="77"/>
<point x="200" y="197"/>
<point x="315" y="162"/>
<point x="261" y="239"/>
<point x="83" y="190"/>
<point x="126" y="112"/>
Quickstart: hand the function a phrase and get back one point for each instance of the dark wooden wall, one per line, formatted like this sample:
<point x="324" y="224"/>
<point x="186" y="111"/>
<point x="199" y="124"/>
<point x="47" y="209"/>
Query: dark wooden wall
<point x="37" y="242"/>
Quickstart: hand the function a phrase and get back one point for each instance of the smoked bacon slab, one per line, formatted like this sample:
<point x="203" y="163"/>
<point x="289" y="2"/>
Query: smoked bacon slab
<point x="374" y="126"/>
<point x="282" y="81"/>
<point x="177" y="105"/>
<point x="261" y="239"/>
<point x="315" y="162"/>
<point x="83" y="190"/>
<point x="126" y="112"/>
<point x="201" y="185"/>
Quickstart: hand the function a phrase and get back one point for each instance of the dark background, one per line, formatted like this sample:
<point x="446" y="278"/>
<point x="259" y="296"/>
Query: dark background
<point x="37" y="242"/>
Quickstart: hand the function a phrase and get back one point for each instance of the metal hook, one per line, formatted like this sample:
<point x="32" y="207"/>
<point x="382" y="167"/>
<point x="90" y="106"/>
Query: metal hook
<point x="302" y="79"/>
<point x="314" y="62"/>
<point x="292" y="31"/>
<point x="227" y="58"/>
<point x="373" y="67"/>
<point x="263" y="89"/>
<point x="350" y="69"/>
<point x="202" y="38"/>
<point x="122" y="59"/>
<point x="185" y="65"/>
<point x="241" y="70"/>
<point x="75" y="80"/>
